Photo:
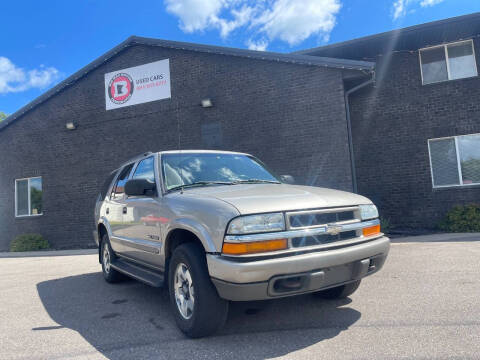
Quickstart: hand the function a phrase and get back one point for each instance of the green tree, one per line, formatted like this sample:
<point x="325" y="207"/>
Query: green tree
<point x="3" y="116"/>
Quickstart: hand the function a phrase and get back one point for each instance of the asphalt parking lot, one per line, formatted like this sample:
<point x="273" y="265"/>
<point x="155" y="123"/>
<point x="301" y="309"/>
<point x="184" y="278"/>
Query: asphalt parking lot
<point x="424" y="304"/>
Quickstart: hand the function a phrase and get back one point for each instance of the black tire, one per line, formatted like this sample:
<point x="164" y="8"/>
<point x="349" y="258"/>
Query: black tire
<point x="209" y="311"/>
<point x="339" y="292"/>
<point x="110" y="274"/>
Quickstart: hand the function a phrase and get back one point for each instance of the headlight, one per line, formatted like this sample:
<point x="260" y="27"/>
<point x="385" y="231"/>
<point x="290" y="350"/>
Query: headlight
<point x="368" y="212"/>
<point x="257" y="224"/>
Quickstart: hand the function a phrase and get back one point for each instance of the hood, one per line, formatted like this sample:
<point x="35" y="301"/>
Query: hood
<point x="260" y="198"/>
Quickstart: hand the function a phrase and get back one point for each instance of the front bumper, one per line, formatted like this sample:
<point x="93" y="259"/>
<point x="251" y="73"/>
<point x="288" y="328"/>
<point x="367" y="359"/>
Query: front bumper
<point x="257" y="280"/>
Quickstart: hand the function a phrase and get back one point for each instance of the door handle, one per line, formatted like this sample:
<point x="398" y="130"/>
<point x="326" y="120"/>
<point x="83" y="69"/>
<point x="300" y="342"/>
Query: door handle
<point x="108" y="211"/>
<point x="124" y="210"/>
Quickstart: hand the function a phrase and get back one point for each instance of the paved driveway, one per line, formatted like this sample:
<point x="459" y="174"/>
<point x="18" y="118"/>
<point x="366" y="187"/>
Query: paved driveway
<point x="424" y="304"/>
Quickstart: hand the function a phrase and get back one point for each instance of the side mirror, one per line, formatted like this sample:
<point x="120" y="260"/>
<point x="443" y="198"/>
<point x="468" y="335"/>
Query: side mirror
<point x="287" y="179"/>
<point x="139" y="187"/>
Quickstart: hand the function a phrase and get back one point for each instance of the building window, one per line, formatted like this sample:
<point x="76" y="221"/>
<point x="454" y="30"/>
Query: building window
<point x="448" y="62"/>
<point x="455" y="161"/>
<point x="28" y="197"/>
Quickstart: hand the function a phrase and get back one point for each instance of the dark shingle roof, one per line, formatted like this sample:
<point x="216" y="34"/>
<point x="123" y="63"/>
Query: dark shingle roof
<point x="250" y="54"/>
<point x="409" y="38"/>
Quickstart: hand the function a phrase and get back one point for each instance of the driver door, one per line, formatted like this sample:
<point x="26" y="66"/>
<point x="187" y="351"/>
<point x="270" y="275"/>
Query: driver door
<point x="142" y="219"/>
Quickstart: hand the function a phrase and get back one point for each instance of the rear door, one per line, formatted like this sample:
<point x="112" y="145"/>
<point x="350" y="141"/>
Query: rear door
<point x="116" y="208"/>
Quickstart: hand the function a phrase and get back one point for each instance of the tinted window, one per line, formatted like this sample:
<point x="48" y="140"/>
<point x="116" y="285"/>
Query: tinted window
<point x="448" y="62"/>
<point x="145" y="170"/>
<point x="106" y="185"/>
<point x="22" y="197"/>
<point x="443" y="156"/>
<point x="29" y="196"/>
<point x="119" y="188"/>
<point x="461" y="60"/>
<point x="469" y="148"/>
<point x="434" y="65"/>
<point x="36" y="194"/>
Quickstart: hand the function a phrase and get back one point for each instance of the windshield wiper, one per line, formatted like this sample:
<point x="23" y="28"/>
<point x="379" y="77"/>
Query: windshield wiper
<point x="200" y="183"/>
<point x="256" y="181"/>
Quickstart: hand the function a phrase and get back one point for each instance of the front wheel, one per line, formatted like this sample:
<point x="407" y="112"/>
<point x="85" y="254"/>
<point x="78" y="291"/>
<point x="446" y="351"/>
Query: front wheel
<point x="198" y="309"/>
<point x="340" y="292"/>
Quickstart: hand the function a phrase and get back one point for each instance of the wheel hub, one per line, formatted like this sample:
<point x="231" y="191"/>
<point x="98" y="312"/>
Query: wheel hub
<point x="184" y="293"/>
<point x="106" y="258"/>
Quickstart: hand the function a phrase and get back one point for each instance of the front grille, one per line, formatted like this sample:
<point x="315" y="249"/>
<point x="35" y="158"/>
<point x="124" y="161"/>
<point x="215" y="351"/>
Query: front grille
<point x="328" y="218"/>
<point x="315" y="219"/>
<point x="322" y="239"/>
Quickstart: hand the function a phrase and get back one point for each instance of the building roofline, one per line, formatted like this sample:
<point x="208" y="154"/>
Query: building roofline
<point x="387" y="34"/>
<point x="219" y="50"/>
<point x="259" y="55"/>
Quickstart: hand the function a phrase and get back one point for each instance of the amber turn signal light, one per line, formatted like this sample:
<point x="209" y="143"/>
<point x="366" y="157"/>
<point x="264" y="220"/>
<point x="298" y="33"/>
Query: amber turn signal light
<point x="254" y="247"/>
<point x="372" y="230"/>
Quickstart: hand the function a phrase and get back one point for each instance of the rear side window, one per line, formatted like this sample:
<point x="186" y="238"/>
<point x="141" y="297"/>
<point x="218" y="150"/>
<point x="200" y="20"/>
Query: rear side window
<point x="106" y="185"/>
<point x="119" y="188"/>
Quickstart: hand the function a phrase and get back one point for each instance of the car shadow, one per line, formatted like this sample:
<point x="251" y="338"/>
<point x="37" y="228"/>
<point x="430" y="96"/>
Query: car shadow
<point x="133" y="320"/>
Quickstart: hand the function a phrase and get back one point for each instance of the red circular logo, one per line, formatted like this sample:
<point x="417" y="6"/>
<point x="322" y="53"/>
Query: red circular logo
<point x="120" y="88"/>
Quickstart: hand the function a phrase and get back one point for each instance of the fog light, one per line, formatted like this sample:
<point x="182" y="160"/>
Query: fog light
<point x="254" y="247"/>
<point x="372" y="230"/>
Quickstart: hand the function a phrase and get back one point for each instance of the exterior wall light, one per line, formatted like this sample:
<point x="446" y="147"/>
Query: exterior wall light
<point x="71" y="125"/>
<point x="206" y="103"/>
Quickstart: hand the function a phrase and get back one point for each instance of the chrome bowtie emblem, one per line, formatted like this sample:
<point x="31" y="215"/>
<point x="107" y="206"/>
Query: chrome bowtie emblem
<point x="334" y="229"/>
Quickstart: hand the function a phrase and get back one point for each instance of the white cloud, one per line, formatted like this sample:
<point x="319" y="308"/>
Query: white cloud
<point x="291" y="21"/>
<point x="400" y="7"/>
<point x="294" y="21"/>
<point x="240" y="18"/>
<point x="195" y="14"/>
<point x="260" y="45"/>
<point x="15" y="79"/>
<point x="426" y="3"/>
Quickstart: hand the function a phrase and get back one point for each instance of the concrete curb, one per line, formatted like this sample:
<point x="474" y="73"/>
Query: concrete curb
<point x="455" y="237"/>
<point x="48" y="253"/>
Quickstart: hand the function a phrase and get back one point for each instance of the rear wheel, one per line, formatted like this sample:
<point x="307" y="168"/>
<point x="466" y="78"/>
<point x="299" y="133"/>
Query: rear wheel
<point x="340" y="292"/>
<point x="108" y="256"/>
<point x="198" y="309"/>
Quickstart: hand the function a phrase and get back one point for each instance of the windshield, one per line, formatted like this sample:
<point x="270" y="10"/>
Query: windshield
<point x="212" y="168"/>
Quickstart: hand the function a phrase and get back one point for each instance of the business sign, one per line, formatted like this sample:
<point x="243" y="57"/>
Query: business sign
<point x="137" y="85"/>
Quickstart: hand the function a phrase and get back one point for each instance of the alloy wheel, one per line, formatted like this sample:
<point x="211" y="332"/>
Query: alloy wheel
<point x="106" y="258"/>
<point x="184" y="291"/>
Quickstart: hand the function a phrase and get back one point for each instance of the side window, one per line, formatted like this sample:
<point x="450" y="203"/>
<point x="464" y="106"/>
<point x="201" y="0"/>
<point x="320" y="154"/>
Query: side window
<point x="145" y="170"/>
<point x="448" y="62"/>
<point x="28" y="197"/>
<point x="106" y="185"/>
<point x="455" y="161"/>
<point x="119" y="187"/>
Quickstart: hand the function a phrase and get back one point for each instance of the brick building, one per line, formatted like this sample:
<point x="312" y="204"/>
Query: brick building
<point x="304" y="114"/>
<point x="416" y="130"/>
<point x="288" y="110"/>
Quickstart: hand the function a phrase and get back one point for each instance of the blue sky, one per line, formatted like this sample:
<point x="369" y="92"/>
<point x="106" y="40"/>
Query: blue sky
<point x="42" y="42"/>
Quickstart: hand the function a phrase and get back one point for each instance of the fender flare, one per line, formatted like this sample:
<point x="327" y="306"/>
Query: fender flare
<point x="197" y="229"/>
<point x="102" y="221"/>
